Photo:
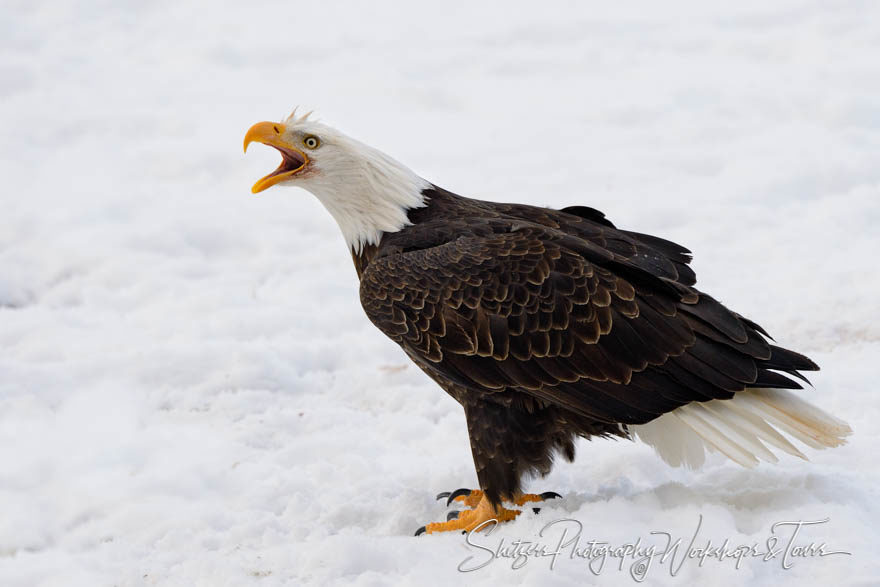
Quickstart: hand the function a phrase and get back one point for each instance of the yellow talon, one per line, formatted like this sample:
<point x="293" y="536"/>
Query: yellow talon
<point x="481" y="511"/>
<point x="474" y="518"/>
<point x="475" y="495"/>
<point x="470" y="500"/>
<point x="528" y="498"/>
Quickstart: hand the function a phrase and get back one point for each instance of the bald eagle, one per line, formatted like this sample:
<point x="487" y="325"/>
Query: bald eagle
<point x="547" y="325"/>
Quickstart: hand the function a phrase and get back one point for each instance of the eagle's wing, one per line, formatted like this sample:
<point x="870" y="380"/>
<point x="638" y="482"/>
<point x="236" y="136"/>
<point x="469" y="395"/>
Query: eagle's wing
<point x="564" y="319"/>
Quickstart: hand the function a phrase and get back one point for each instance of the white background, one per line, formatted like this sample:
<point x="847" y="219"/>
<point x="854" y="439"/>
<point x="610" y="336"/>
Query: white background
<point x="190" y="393"/>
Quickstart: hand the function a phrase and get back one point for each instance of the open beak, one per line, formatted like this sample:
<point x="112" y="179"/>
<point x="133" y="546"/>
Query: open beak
<point x="292" y="159"/>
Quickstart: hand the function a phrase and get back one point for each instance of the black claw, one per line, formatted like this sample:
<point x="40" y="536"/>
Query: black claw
<point x="457" y="493"/>
<point x="550" y="495"/>
<point x="453" y="515"/>
<point x="420" y="531"/>
<point x="442" y="494"/>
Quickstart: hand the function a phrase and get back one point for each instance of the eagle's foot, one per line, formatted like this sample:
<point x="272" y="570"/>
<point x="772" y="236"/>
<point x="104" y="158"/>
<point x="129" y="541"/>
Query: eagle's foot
<point x="481" y="516"/>
<point x="481" y="510"/>
<point x="468" y="497"/>
<point x="471" y="497"/>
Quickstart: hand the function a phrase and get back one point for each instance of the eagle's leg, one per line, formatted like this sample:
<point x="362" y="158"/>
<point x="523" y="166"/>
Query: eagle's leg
<point x="508" y="440"/>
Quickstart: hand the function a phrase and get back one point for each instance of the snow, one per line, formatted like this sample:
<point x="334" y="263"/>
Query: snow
<point x="190" y="393"/>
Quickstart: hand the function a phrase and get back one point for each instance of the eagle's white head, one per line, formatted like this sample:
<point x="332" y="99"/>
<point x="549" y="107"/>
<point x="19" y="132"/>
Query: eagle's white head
<point x="366" y="191"/>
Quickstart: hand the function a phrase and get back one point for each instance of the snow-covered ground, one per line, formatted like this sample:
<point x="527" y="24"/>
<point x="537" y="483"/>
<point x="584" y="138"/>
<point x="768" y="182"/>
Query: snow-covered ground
<point x="190" y="393"/>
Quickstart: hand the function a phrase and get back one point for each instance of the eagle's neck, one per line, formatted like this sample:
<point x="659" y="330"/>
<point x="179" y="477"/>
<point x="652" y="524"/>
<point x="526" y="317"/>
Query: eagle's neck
<point x="368" y="194"/>
<point x="427" y="226"/>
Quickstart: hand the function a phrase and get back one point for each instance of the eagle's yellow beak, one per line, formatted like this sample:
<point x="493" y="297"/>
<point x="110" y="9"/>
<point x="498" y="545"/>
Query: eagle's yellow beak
<point x="293" y="160"/>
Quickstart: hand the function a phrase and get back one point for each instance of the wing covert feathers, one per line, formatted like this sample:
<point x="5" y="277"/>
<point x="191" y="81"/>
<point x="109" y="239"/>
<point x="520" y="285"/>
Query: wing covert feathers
<point x="518" y="305"/>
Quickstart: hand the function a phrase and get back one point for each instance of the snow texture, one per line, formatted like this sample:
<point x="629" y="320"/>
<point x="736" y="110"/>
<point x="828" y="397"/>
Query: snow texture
<point x="190" y="393"/>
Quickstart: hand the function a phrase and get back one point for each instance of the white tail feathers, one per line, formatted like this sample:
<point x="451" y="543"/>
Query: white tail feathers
<point x="743" y="428"/>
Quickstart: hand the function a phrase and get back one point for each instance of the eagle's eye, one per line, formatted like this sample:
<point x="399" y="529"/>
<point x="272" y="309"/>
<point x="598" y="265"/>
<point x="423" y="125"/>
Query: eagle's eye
<point x="311" y="142"/>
